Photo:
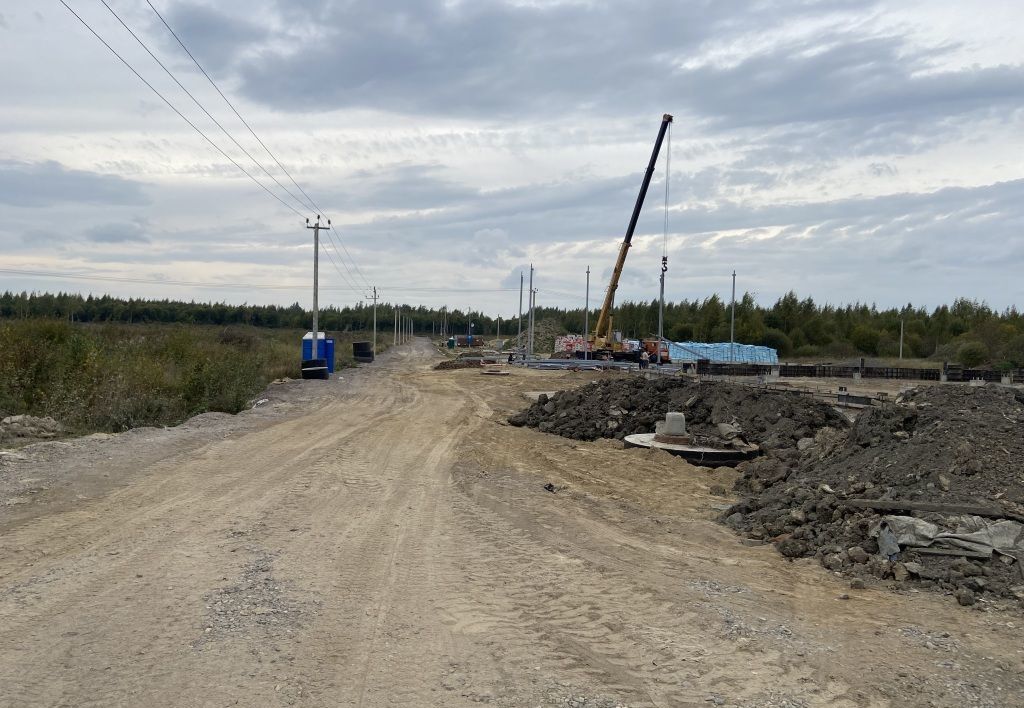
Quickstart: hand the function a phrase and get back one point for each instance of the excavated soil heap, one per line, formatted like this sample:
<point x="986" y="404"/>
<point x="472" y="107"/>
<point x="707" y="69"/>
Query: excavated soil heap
<point x="940" y="444"/>
<point x="456" y="364"/>
<point x="620" y="407"/>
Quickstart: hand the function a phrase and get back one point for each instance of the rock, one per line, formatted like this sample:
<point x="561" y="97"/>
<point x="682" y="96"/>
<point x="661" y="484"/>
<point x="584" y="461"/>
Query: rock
<point x="857" y="584"/>
<point x="833" y="561"/>
<point x="548" y="407"/>
<point x="792" y="548"/>
<point x="914" y="568"/>
<point x="857" y="554"/>
<point x="804" y="443"/>
<point x="798" y="515"/>
<point x="900" y="572"/>
<point x="976" y="583"/>
<point x="844" y="596"/>
<point x="943" y="482"/>
<point x="965" y="597"/>
<point x="966" y="568"/>
<point x="734" y="520"/>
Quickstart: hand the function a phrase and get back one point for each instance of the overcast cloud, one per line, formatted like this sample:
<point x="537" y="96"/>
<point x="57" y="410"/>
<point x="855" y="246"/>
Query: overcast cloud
<point x="853" y="151"/>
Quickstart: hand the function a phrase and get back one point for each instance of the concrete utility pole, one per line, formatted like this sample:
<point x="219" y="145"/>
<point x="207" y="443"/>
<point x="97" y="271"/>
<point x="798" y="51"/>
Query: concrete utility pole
<point x="529" y="319"/>
<point x="315" y="344"/>
<point x="586" y="319"/>
<point x="497" y="334"/>
<point x="732" y="324"/>
<point x="519" y="339"/>
<point x="533" y="323"/>
<point x="374" y="347"/>
<point x="901" y="338"/>
<point x="395" y="342"/>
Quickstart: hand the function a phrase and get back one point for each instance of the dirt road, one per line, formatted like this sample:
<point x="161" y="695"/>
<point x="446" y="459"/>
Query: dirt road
<point x="396" y="546"/>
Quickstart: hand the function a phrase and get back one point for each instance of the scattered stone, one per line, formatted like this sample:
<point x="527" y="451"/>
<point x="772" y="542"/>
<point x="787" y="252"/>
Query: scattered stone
<point x="857" y="554"/>
<point x="965" y="597"/>
<point x="857" y="584"/>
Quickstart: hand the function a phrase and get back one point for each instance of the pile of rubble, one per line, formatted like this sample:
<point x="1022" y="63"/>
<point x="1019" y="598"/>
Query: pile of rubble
<point x="927" y="491"/>
<point x="775" y="420"/>
<point x="21" y="429"/>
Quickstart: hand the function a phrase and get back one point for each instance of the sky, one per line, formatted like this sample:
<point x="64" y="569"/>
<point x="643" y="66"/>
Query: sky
<point x="850" y="151"/>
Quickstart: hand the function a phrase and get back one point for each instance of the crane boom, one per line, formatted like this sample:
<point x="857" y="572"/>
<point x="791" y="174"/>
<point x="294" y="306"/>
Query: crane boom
<point x="603" y="331"/>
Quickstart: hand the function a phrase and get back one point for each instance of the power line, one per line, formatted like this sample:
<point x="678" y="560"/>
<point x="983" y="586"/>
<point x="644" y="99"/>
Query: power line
<point x="180" y="114"/>
<point x="218" y="124"/>
<point x="330" y="236"/>
<point x="231" y="105"/>
<point x="246" y="286"/>
<point x="200" y="105"/>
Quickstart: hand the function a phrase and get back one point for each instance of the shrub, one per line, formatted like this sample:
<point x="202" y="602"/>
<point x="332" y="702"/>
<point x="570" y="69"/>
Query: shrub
<point x="971" y="354"/>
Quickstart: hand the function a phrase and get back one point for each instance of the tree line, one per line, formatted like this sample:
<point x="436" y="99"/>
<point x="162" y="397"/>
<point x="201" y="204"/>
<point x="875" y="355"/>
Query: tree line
<point x="967" y="331"/>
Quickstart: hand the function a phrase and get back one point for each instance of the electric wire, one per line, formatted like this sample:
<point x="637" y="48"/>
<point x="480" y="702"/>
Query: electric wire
<point x="224" y="130"/>
<point x="264" y="146"/>
<point x="231" y="105"/>
<point x="219" y="125"/>
<point x="247" y="286"/>
<point x="200" y="105"/>
<point x="180" y="114"/>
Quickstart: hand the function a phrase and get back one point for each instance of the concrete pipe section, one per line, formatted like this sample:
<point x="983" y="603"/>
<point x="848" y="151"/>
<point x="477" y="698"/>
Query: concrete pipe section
<point x="672" y="437"/>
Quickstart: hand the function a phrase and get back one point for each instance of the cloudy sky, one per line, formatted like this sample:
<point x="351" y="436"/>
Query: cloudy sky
<point x="849" y="150"/>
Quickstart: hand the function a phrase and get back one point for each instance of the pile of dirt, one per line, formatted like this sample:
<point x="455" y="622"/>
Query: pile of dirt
<point x="775" y="420"/>
<point x="22" y="429"/>
<point x="456" y="364"/>
<point x="938" y="445"/>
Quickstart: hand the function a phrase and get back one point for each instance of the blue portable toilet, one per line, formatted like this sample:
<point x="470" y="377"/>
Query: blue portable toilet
<point x="325" y="349"/>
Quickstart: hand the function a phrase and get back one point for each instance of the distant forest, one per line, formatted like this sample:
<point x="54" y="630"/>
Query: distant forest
<point x="966" y="331"/>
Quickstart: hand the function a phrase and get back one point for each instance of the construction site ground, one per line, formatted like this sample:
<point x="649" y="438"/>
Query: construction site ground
<point x="387" y="539"/>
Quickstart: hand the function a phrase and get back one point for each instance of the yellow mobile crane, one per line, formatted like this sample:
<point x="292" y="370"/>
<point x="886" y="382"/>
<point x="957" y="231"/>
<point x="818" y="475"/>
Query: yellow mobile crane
<point x="601" y="341"/>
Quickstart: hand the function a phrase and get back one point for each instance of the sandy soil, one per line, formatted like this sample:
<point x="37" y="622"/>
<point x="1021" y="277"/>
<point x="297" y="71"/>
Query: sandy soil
<point x="386" y="539"/>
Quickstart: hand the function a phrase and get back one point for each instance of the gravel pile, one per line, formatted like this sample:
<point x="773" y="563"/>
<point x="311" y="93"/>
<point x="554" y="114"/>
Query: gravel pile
<point x="615" y="408"/>
<point x="948" y="445"/>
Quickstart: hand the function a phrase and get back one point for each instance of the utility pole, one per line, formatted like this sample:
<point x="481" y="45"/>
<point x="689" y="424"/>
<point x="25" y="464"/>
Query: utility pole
<point x="586" y="319"/>
<point x="901" y="338"/>
<point x="661" y="310"/>
<point x="732" y="324"/>
<point x="374" y="347"/>
<point x="497" y="335"/>
<point x="519" y="339"/>
<point x="533" y="322"/>
<point x="314" y="349"/>
<point x="395" y="342"/>
<point x="529" y="334"/>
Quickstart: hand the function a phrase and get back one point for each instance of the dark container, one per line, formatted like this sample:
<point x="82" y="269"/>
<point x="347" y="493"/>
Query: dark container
<point x="314" y="369"/>
<point x="362" y="352"/>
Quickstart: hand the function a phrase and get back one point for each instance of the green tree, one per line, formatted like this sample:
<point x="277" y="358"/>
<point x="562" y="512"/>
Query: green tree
<point x="971" y="354"/>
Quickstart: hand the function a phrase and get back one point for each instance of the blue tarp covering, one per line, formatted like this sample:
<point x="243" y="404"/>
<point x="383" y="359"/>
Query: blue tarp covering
<point x="722" y="352"/>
